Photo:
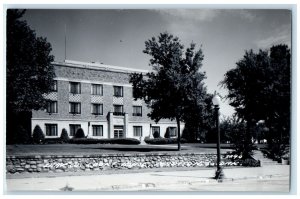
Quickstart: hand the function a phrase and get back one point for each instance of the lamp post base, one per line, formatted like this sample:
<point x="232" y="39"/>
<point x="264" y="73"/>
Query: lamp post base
<point x="219" y="175"/>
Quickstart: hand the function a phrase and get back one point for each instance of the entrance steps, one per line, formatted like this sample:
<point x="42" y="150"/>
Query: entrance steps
<point x="258" y="155"/>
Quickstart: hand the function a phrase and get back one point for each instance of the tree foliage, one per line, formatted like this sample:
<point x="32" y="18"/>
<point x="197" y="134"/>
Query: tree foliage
<point x="29" y="72"/>
<point x="259" y="89"/>
<point x="170" y="87"/>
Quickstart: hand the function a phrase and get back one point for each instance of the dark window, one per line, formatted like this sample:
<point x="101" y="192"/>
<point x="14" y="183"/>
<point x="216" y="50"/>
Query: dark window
<point x="137" y="111"/>
<point x="118" y="110"/>
<point x="97" y="130"/>
<point x="138" y="131"/>
<point x="97" y="89"/>
<point x="52" y="107"/>
<point x="173" y="131"/>
<point x="74" y="128"/>
<point x="75" y="108"/>
<point x="118" y="91"/>
<point x="97" y="109"/>
<point x="51" y="129"/>
<point x="155" y="129"/>
<point x="54" y="86"/>
<point x="75" y="88"/>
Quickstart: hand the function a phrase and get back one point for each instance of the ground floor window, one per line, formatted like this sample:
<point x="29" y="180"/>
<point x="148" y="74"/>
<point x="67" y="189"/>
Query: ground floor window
<point x="138" y="131"/>
<point x="74" y="128"/>
<point x="173" y="131"/>
<point x="51" y="129"/>
<point x="97" y="130"/>
<point x="156" y="130"/>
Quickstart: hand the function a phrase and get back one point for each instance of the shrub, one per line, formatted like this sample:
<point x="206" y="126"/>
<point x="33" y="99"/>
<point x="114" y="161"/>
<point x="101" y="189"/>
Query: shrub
<point x="167" y="134"/>
<point x="38" y="135"/>
<point x="53" y="141"/>
<point x="79" y="133"/>
<point x="250" y="163"/>
<point x="64" y="137"/>
<point x="156" y="134"/>
<point x="161" y="141"/>
<point x="129" y="141"/>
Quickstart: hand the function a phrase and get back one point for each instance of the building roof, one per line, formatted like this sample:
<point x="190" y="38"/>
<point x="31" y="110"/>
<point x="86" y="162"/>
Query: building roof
<point x="98" y="66"/>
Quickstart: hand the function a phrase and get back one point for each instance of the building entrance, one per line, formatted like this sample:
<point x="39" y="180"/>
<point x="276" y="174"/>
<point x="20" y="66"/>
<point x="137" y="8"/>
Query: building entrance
<point x="118" y="132"/>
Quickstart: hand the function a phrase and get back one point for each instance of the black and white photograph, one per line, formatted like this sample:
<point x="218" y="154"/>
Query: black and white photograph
<point x="148" y="99"/>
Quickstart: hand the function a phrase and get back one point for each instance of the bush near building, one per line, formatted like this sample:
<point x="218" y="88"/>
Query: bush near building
<point x="129" y="141"/>
<point x="38" y="135"/>
<point x="64" y="136"/>
<point x="79" y="133"/>
<point x="162" y="141"/>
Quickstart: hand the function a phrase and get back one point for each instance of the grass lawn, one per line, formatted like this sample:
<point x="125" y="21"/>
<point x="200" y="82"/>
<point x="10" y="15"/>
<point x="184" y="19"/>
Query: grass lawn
<point x="91" y="149"/>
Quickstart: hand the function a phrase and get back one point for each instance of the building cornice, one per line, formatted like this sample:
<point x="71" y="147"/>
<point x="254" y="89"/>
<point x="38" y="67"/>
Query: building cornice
<point x="98" y="66"/>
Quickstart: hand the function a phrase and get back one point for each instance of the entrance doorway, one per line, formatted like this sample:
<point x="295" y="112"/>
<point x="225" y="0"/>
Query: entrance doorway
<point x="118" y="132"/>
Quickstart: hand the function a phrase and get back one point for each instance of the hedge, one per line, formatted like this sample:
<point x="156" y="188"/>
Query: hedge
<point x="161" y="141"/>
<point x="130" y="141"/>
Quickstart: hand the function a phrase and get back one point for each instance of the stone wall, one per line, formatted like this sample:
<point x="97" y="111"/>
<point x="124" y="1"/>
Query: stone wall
<point x="73" y="163"/>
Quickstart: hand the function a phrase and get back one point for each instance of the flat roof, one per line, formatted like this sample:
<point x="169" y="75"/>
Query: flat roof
<point x="98" y="66"/>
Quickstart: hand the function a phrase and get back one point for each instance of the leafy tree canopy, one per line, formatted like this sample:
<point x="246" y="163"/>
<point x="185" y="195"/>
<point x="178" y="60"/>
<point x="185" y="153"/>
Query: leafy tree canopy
<point x="29" y="70"/>
<point x="170" y="87"/>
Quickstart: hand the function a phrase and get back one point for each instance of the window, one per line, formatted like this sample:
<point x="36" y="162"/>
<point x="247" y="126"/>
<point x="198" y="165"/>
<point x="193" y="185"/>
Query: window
<point x="138" y="131"/>
<point x="97" y="109"/>
<point x="118" y="91"/>
<point x="74" y="128"/>
<point x="54" y="86"/>
<point x="118" y="110"/>
<point x="137" y="111"/>
<point x="51" y="129"/>
<point x="75" y="88"/>
<point x="97" y="130"/>
<point x="75" y="108"/>
<point x="173" y="131"/>
<point x="52" y="107"/>
<point x="155" y="129"/>
<point x="97" y="89"/>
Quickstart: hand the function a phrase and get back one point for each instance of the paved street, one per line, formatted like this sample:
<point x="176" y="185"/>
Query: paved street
<point x="273" y="178"/>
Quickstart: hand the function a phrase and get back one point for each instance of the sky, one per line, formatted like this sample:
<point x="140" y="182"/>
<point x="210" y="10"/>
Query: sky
<point x="117" y="37"/>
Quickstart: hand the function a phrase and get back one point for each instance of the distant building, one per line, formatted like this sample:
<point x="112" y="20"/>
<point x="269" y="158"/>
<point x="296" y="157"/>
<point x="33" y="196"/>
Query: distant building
<point x="97" y="98"/>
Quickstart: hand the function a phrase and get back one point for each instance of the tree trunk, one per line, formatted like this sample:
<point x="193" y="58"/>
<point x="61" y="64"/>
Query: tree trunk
<point x="178" y="133"/>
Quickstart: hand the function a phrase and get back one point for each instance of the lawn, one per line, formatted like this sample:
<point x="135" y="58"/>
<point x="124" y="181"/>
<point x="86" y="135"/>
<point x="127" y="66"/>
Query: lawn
<point x="92" y="149"/>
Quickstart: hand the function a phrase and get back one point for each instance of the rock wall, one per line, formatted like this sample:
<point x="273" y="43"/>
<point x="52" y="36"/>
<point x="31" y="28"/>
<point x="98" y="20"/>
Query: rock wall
<point x="73" y="163"/>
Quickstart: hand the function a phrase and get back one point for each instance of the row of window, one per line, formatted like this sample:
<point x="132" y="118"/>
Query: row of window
<point x="96" y="109"/>
<point x="97" y="130"/>
<point x="96" y="89"/>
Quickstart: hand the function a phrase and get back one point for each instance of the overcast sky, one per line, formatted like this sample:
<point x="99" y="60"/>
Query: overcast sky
<point x="116" y="37"/>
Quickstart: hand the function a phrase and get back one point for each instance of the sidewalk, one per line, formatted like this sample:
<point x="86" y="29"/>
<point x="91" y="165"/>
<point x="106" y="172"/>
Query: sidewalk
<point x="170" y="180"/>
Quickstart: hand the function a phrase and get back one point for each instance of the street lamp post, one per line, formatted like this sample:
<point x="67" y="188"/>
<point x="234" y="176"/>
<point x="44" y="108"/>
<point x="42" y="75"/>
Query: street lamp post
<point x="216" y="102"/>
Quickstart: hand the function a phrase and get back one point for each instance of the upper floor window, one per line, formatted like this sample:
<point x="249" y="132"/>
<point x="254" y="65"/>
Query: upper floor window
<point x="75" y="108"/>
<point x="118" y="91"/>
<point x="137" y="111"/>
<point x="51" y="129"/>
<point x="53" y="87"/>
<point x="97" y="89"/>
<point x="97" y="109"/>
<point x="75" y="88"/>
<point x="97" y="130"/>
<point x="118" y="110"/>
<point x="52" y="107"/>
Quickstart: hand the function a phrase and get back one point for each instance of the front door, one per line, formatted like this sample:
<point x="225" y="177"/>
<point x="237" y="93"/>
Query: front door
<point x="118" y="132"/>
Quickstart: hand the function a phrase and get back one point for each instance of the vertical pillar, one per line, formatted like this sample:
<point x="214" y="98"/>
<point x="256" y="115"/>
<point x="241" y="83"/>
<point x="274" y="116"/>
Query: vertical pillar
<point x="110" y="125"/>
<point x="125" y="125"/>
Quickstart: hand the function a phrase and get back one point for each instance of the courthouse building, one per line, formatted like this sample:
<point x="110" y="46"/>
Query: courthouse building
<point x="97" y="98"/>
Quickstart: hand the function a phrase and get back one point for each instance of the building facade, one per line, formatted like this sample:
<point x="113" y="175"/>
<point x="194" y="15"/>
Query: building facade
<point x="97" y="98"/>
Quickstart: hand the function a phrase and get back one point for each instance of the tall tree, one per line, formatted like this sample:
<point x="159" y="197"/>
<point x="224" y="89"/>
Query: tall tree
<point x="29" y="73"/>
<point x="259" y="89"/>
<point x="169" y="88"/>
